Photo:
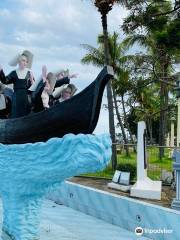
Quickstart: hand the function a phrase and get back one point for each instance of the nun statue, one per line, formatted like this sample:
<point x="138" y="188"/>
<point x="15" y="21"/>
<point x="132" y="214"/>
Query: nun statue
<point x="22" y="79"/>
<point x="42" y="89"/>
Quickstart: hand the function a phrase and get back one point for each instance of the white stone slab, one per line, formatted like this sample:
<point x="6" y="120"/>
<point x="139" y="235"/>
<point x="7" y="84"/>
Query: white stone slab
<point x="116" y="176"/>
<point x="120" y="187"/>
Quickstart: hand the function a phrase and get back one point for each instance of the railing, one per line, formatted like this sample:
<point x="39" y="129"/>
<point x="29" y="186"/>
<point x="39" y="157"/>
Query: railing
<point x="157" y="169"/>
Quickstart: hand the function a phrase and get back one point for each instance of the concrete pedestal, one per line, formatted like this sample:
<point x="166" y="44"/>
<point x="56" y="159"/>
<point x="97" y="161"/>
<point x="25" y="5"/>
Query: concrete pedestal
<point x="147" y="189"/>
<point x="144" y="187"/>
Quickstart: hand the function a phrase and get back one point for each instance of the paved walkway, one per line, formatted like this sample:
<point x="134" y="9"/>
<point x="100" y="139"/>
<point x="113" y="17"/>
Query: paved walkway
<point x="63" y="223"/>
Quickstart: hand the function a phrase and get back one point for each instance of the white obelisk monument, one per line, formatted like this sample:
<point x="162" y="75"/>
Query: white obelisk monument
<point x="144" y="187"/>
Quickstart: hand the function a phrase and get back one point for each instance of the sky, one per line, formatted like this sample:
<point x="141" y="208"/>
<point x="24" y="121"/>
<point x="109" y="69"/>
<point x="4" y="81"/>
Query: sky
<point x="53" y="31"/>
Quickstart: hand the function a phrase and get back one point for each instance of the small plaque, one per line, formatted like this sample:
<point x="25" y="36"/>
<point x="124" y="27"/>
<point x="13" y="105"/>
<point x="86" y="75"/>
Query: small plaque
<point x="124" y="178"/>
<point x="116" y="176"/>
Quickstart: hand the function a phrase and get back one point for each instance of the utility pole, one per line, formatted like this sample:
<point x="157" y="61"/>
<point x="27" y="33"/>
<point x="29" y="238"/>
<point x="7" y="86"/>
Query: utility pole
<point x="177" y="89"/>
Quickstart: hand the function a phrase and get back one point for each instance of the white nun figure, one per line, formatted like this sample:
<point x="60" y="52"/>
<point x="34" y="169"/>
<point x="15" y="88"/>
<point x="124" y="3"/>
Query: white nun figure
<point x="22" y="79"/>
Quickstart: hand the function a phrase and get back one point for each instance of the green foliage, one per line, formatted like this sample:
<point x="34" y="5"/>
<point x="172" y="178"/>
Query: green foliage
<point x="149" y="14"/>
<point x="118" y="60"/>
<point x="140" y="80"/>
<point x="153" y="20"/>
<point x="122" y="84"/>
<point x="162" y="38"/>
<point x="152" y="16"/>
<point x="155" y="165"/>
<point x="95" y="56"/>
<point x="106" y="173"/>
<point x="150" y="25"/>
<point x="173" y="32"/>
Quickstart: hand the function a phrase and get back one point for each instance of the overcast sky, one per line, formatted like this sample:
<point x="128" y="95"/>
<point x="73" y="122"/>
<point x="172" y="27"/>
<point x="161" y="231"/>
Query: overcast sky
<point x="53" y="30"/>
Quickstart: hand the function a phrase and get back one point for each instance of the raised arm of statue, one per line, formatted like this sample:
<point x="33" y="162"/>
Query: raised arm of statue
<point x="62" y="81"/>
<point x="74" y="75"/>
<point x="44" y="73"/>
<point x="6" y="79"/>
<point x="32" y="79"/>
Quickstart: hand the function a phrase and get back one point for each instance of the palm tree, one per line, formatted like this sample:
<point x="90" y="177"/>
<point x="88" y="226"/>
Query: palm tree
<point x="104" y="6"/>
<point x="160" y="30"/>
<point x="122" y="86"/>
<point x="161" y="61"/>
<point x="117" y="60"/>
<point x="147" y="109"/>
<point x="120" y="123"/>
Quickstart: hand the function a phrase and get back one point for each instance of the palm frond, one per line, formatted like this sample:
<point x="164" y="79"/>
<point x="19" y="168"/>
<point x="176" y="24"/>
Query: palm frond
<point x="87" y="59"/>
<point x="145" y="41"/>
<point x="94" y="56"/>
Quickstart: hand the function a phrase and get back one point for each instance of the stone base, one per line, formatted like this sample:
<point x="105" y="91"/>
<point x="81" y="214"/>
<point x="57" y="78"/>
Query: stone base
<point x="21" y="217"/>
<point x="175" y="204"/>
<point x="147" y="188"/>
<point x="120" y="187"/>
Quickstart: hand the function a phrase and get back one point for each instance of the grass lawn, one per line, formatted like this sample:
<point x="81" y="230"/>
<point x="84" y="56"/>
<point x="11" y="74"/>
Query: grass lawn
<point x="155" y="164"/>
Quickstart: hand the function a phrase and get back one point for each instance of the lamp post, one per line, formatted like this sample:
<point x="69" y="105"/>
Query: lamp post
<point x="167" y="141"/>
<point x="177" y="89"/>
<point x="172" y="132"/>
<point x="104" y="6"/>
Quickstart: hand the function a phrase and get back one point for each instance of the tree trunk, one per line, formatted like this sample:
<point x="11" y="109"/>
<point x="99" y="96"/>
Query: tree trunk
<point x="166" y="100"/>
<point x="163" y="104"/>
<point x="163" y="112"/>
<point x="126" y="122"/>
<point x="149" y="128"/>
<point x="162" y="122"/>
<point x="109" y="94"/>
<point x="121" y="124"/>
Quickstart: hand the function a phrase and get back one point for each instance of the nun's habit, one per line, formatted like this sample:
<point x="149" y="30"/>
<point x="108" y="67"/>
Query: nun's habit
<point x="20" y="103"/>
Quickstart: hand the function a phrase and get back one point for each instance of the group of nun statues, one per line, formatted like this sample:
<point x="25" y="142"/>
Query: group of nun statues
<point x="21" y="94"/>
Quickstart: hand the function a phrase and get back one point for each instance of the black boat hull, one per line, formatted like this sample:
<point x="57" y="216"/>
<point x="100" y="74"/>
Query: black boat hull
<point x="76" y="115"/>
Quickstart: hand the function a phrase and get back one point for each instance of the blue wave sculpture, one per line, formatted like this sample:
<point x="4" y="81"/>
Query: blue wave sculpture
<point x="29" y="171"/>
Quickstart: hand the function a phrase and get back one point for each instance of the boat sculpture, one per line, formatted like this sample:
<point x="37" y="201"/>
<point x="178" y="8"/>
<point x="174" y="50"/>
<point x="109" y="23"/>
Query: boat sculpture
<point x="78" y="114"/>
<point x="41" y="150"/>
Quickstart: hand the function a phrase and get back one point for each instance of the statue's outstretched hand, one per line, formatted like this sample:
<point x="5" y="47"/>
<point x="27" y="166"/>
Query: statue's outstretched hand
<point x="44" y="72"/>
<point x="32" y="79"/>
<point x="61" y="75"/>
<point x="73" y="75"/>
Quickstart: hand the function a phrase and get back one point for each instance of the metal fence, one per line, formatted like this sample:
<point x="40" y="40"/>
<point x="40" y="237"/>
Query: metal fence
<point x="157" y="168"/>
